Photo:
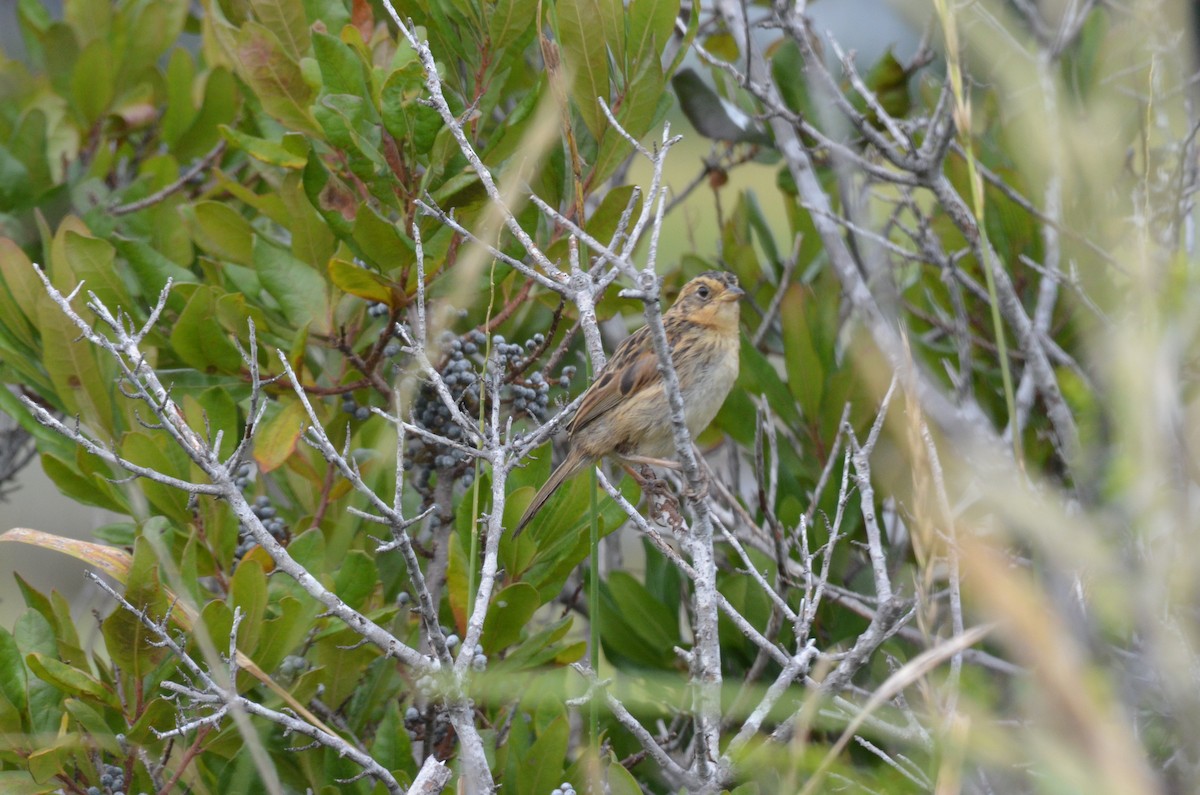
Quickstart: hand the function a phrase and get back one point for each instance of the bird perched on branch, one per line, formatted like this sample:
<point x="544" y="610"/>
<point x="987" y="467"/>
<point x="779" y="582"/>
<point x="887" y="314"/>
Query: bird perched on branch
<point x="625" y="412"/>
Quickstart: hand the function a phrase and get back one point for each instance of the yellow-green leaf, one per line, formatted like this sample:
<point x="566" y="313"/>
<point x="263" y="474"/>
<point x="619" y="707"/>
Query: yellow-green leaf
<point x="279" y="434"/>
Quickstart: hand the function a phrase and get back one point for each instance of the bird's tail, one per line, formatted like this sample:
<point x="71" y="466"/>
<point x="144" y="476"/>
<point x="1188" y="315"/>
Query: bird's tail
<point x="572" y="464"/>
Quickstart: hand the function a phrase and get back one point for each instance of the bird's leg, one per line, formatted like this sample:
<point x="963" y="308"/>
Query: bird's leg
<point x="654" y="490"/>
<point x="663" y="506"/>
<point x="646" y="462"/>
<point x="700" y="493"/>
<point x="644" y="476"/>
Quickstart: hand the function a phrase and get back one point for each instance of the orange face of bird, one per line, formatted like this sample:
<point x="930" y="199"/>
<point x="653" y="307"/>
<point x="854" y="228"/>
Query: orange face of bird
<point x="710" y="300"/>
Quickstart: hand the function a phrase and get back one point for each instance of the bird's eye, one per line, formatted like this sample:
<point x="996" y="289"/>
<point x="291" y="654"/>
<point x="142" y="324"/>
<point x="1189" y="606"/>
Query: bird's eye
<point x="703" y="291"/>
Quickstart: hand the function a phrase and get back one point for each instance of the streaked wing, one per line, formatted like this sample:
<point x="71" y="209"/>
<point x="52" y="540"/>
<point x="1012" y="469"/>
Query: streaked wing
<point x="633" y="367"/>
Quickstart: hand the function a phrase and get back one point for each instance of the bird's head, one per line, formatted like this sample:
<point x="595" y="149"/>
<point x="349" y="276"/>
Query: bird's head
<point x="710" y="299"/>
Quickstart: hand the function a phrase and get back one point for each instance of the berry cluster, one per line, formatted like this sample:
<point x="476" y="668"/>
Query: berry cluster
<point x="241" y="478"/>
<point x="526" y="395"/>
<point x="274" y="524"/>
<point x="565" y="788"/>
<point x="391" y="349"/>
<point x="350" y="406"/>
<point x="442" y="739"/>
<point x="292" y="666"/>
<point x="479" y="660"/>
<point x="463" y="382"/>
<point x="112" y="780"/>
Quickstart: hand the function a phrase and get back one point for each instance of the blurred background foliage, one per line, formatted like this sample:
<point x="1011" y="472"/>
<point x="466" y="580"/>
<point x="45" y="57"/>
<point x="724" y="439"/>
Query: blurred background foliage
<point x="273" y="170"/>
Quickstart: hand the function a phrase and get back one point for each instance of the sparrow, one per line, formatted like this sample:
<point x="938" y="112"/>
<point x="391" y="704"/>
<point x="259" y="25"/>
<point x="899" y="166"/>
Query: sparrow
<point x="625" y="412"/>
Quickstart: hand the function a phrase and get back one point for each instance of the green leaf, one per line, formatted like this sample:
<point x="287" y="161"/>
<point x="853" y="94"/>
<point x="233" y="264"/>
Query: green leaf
<point x="762" y="227"/>
<point x="19" y="782"/>
<point x="806" y="376"/>
<point x="508" y="20"/>
<point x="279" y="433"/>
<point x="313" y="241"/>
<point x="404" y="117"/>
<point x="381" y="240"/>
<point x="308" y="549"/>
<point x="652" y="619"/>
<point x="150" y="267"/>
<point x="559" y="534"/>
<point x="92" y="721"/>
<point x="200" y="342"/>
<point x="606" y="217"/>
<point x="148" y="450"/>
<point x="543" y="764"/>
<point x="629" y="625"/>
<point x="30" y="145"/>
<point x="787" y="71"/>
<point x="342" y="663"/>
<point x="299" y="289"/>
<point x="117" y="534"/>
<point x="16" y="189"/>
<point x="619" y="780"/>
<point x="152" y="32"/>
<point x="71" y="681"/>
<point x="888" y="79"/>
<point x="34" y="634"/>
<point x="289" y="22"/>
<point x="92" y="260"/>
<point x="12" y="671"/>
<point x="758" y="377"/>
<point x="79" y="487"/>
<point x="82" y="379"/>
<point x="158" y="714"/>
<point x="585" y="56"/>
<point x="69" y="650"/>
<point x="539" y="649"/>
<point x="284" y="633"/>
<point x="355" y="280"/>
<point x="90" y="19"/>
<point x="510" y="612"/>
<point x="356" y="579"/>
<point x="221" y="231"/>
<point x="613" y="22"/>
<point x="336" y="202"/>
<point x="391" y="747"/>
<point x="36" y="600"/>
<point x="248" y="591"/>
<point x="92" y="81"/>
<point x="663" y="580"/>
<point x="13" y="735"/>
<point x="350" y="124"/>
<point x="216" y="410"/>
<point x="129" y="643"/>
<point x="341" y="67"/>
<point x="642" y="102"/>
<point x="179" y="111"/>
<point x="19" y="291"/>
<point x="220" y="106"/>
<point x="46" y="764"/>
<point x="271" y="152"/>
<point x="274" y="76"/>
<point x="650" y="25"/>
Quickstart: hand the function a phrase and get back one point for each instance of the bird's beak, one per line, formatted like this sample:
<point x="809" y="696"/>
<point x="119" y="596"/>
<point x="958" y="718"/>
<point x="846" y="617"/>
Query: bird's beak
<point x="733" y="293"/>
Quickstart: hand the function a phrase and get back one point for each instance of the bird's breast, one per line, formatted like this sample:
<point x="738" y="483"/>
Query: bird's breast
<point x="707" y="385"/>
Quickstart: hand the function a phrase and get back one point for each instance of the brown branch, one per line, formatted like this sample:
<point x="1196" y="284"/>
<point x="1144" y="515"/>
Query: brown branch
<point x="160" y="195"/>
<point x="188" y="755"/>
